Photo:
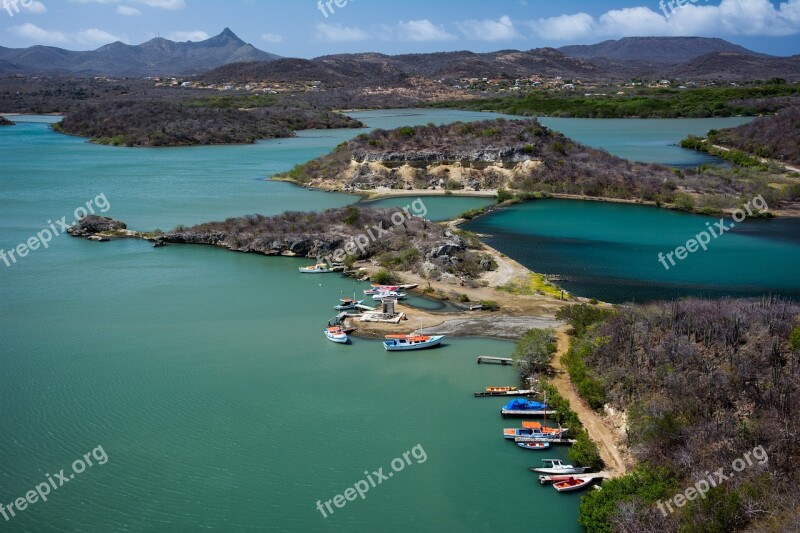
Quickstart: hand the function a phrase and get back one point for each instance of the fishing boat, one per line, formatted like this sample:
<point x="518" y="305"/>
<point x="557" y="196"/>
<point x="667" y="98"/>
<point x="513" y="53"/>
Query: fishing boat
<point x="348" y="304"/>
<point x="336" y="334"/>
<point x="572" y="483"/>
<point x="376" y="289"/>
<point x="500" y="389"/>
<point x="553" y="432"/>
<point x="534" y="445"/>
<point x="417" y="342"/>
<point x="555" y="466"/>
<point x="389" y="294"/>
<point x="319" y="268"/>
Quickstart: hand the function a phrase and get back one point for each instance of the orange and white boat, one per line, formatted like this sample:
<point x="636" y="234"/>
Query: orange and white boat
<point x="500" y="389"/>
<point x="572" y="483"/>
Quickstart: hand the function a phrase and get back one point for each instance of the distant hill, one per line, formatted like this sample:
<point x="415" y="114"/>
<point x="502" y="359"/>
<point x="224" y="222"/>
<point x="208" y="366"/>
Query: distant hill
<point x="733" y="66"/>
<point x="379" y="69"/>
<point x="655" y="49"/>
<point x="157" y="56"/>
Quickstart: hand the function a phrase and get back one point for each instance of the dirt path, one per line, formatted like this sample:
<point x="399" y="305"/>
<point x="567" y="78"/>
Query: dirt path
<point x="600" y="433"/>
<point x="762" y="159"/>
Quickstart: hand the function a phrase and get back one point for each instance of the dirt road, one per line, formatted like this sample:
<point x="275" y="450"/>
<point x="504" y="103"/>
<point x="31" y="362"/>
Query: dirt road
<point x="604" y="436"/>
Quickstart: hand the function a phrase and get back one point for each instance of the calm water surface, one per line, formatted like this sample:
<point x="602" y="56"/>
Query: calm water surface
<point x="610" y="251"/>
<point x="204" y="375"/>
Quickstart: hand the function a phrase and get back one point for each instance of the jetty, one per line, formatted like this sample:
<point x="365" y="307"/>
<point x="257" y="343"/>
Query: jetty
<point x="526" y="413"/>
<point x="527" y="392"/>
<point x="497" y="360"/>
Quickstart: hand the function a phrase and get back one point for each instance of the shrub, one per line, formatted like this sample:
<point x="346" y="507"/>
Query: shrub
<point x="534" y="351"/>
<point x="490" y="305"/>
<point x="384" y="277"/>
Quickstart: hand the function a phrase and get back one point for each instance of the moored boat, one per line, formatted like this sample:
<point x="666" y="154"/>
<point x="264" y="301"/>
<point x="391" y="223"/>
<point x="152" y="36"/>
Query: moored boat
<point x="572" y="483"/>
<point x="555" y="466"/>
<point x="418" y="342"/>
<point x="348" y="304"/>
<point x="520" y="404"/>
<point x="380" y="288"/>
<point x="500" y="389"/>
<point x="336" y="334"/>
<point x="535" y="445"/>
<point x="389" y="294"/>
<point x="319" y="268"/>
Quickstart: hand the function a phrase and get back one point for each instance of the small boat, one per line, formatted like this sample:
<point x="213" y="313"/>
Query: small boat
<point x="336" y="334"/>
<point x="573" y="483"/>
<point x="500" y="389"/>
<point x="555" y="466"/>
<point x="319" y="268"/>
<point x="553" y="432"/>
<point x="418" y="342"/>
<point x="348" y="304"/>
<point x="534" y="445"/>
<point x="389" y="294"/>
<point x="376" y="289"/>
<point x="520" y="404"/>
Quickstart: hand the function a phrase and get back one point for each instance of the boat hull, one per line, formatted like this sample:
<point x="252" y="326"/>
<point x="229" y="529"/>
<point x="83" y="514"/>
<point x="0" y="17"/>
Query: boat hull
<point x="399" y="346"/>
<point x="534" y="445"/>
<point x="571" y="485"/>
<point x="560" y="471"/>
<point x="338" y="338"/>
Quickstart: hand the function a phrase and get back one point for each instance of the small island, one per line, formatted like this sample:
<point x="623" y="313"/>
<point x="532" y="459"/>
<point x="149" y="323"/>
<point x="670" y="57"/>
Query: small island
<point x="5" y="122"/>
<point x="522" y="159"/>
<point x="157" y="123"/>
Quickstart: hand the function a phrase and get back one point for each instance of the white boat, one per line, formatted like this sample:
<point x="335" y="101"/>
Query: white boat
<point x="572" y="483"/>
<point x="336" y="334"/>
<point x="389" y="294"/>
<point x="348" y="304"/>
<point x="417" y="342"/>
<point x="319" y="268"/>
<point x="555" y="466"/>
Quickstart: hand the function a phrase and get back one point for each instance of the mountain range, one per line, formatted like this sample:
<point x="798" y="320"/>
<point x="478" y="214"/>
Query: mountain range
<point x="157" y="56"/>
<point x="227" y="58"/>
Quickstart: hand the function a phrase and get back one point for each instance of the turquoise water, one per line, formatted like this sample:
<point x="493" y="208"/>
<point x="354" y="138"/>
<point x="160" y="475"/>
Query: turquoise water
<point x="610" y="251"/>
<point x="648" y="140"/>
<point x="204" y="374"/>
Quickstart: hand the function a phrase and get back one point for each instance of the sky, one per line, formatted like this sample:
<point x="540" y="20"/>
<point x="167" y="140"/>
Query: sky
<point x="308" y="28"/>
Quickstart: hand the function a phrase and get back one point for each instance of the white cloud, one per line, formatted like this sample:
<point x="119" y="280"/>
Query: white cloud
<point x="272" y="38"/>
<point x="196" y="35"/>
<point x="39" y="35"/>
<point x="730" y="17"/>
<point x="422" y="30"/>
<point x="564" y="27"/>
<point x="489" y="30"/>
<point x="339" y="33"/>
<point x="95" y="36"/>
<point x="128" y="11"/>
<point x="35" y="7"/>
<point x="171" y="5"/>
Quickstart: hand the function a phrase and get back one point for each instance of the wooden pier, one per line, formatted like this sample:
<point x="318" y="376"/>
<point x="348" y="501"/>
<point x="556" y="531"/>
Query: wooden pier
<point x="527" y="392"/>
<point x="513" y="413"/>
<point x="497" y="360"/>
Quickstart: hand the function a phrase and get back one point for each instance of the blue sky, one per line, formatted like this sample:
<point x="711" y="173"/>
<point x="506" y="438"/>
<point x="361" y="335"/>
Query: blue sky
<point x="300" y="28"/>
